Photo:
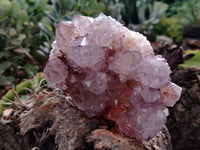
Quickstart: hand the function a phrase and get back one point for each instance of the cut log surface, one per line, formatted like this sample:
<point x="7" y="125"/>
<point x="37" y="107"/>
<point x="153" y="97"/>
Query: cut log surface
<point x="49" y="122"/>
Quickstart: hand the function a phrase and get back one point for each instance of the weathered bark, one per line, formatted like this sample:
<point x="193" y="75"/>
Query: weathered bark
<point x="48" y="121"/>
<point x="184" y="119"/>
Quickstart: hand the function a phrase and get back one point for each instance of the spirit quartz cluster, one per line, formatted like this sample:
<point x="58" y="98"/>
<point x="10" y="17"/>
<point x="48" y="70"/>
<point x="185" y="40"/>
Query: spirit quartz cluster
<point x="111" y="71"/>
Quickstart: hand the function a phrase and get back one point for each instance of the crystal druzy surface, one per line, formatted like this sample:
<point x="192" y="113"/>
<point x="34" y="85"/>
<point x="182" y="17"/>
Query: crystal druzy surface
<point x="111" y="71"/>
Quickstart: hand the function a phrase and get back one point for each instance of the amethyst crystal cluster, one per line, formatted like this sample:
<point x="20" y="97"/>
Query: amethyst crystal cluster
<point x="111" y="71"/>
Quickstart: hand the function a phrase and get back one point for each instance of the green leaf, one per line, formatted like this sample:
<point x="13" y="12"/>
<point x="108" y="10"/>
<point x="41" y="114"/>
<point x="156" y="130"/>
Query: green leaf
<point x="95" y="6"/>
<point x="45" y="28"/>
<point x="3" y="41"/>
<point x="15" y="8"/>
<point x="33" y="5"/>
<point x="20" y="91"/>
<point x="4" y="66"/>
<point x="192" y="62"/>
<point x="29" y="69"/>
<point x="23" y="4"/>
<point x="5" y="54"/>
<point x="22" y="16"/>
<point x="6" y="80"/>
<point x="43" y="6"/>
<point x="5" y="6"/>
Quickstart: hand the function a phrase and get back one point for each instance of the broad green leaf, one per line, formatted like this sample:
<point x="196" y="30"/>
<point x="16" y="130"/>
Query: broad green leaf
<point x="29" y="68"/>
<point x="15" y="9"/>
<point x="5" y="80"/>
<point x="100" y="7"/>
<point x="22" y="16"/>
<point x="5" y="6"/>
<point x="192" y="62"/>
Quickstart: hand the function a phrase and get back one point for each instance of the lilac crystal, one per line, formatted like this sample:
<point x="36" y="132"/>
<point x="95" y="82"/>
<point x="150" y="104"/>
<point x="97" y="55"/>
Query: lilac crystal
<point x="111" y="71"/>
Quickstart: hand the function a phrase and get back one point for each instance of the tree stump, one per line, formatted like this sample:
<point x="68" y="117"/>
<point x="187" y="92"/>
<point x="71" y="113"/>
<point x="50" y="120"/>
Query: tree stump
<point x="48" y="121"/>
<point x="183" y="121"/>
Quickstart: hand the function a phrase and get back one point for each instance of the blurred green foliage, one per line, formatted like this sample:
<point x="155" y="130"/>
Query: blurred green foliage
<point x="27" y="27"/>
<point x="66" y="9"/>
<point x="189" y="12"/>
<point x="145" y="13"/>
<point x="179" y="14"/>
<point x="171" y="27"/>
<point x="161" y="17"/>
<point x="21" y="38"/>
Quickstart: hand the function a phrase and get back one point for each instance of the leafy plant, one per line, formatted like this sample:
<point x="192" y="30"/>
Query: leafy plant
<point x="189" y="12"/>
<point x="113" y="8"/>
<point x="174" y="7"/>
<point x="146" y="13"/>
<point x="192" y="62"/>
<point x="27" y="29"/>
<point x="171" y="27"/>
<point x="130" y="12"/>
<point x="33" y="86"/>
<point x="64" y="10"/>
<point x="184" y="13"/>
<point x="156" y="12"/>
<point x="22" y="41"/>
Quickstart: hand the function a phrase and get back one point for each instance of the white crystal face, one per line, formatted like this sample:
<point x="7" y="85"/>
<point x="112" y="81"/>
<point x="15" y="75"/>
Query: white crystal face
<point x="55" y="50"/>
<point x="63" y="29"/>
<point x="56" y="76"/>
<point x="137" y="42"/>
<point x="82" y="23"/>
<point x="153" y="123"/>
<point x="92" y="104"/>
<point x="95" y="82"/>
<point x="89" y="56"/>
<point x="124" y="67"/>
<point x="153" y="72"/>
<point x="103" y="32"/>
<point x="148" y="94"/>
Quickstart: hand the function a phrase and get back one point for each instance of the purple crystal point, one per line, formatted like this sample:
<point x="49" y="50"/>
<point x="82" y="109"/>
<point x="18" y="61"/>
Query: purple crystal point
<point x="111" y="71"/>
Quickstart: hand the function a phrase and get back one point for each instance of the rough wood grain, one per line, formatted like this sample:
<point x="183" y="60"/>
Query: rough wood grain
<point x="184" y="119"/>
<point x="50" y="122"/>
